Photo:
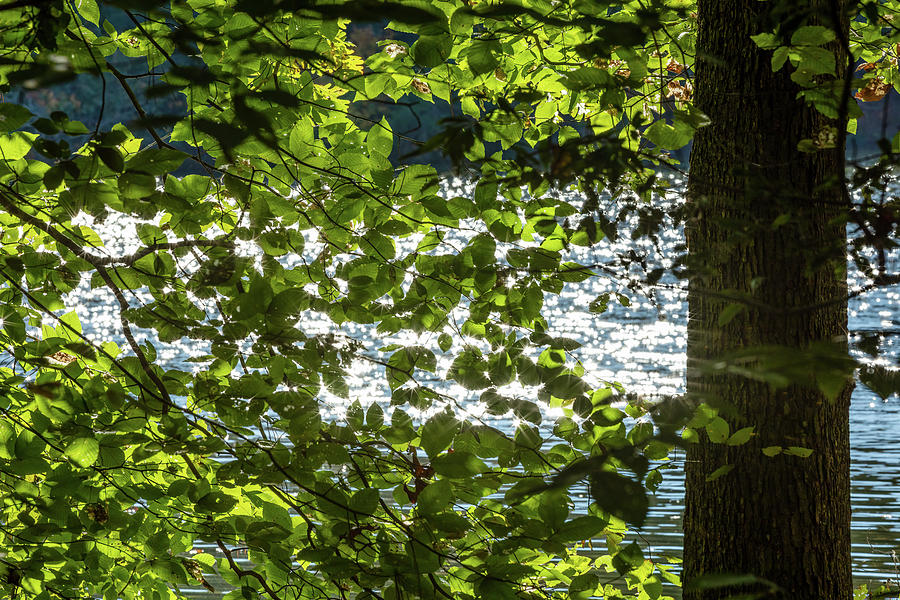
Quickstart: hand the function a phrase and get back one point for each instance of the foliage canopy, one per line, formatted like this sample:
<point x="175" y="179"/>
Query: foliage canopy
<point x="278" y="194"/>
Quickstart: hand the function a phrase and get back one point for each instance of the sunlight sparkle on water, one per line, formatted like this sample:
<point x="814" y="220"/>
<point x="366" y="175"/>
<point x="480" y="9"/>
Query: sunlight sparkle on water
<point x="640" y="346"/>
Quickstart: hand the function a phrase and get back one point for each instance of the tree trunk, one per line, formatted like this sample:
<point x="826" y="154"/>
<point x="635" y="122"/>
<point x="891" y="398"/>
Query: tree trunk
<point x="766" y="235"/>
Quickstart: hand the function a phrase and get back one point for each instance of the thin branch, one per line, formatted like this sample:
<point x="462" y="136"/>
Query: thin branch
<point x="245" y="572"/>
<point x="129" y="337"/>
<point x="130" y="259"/>
<point x="103" y="261"/>
<point x="151" y="39"/>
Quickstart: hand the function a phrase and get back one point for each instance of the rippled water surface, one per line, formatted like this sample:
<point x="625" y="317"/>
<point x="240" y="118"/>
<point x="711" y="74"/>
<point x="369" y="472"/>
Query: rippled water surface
<point x="642" y="347"/>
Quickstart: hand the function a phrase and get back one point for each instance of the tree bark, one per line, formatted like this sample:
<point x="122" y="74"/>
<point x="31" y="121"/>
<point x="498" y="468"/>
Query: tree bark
<point x="766" y="234"/>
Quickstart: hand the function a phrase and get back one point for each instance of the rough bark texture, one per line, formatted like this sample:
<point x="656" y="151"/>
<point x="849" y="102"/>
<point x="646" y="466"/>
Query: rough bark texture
<point x="783" y="518"/>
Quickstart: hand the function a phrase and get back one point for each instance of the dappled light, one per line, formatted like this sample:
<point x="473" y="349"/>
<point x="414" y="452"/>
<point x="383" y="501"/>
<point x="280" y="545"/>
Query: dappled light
<point x="461" y="299"/>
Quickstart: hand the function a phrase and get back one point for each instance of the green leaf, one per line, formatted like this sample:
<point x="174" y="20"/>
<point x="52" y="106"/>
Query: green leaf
<point x="480" y="58"/>
<point x="445" y="342"/>
<point x="600" y="304"/>
<point x="461" y="21"/>
<point x="438" y="432"/>
<point x="468" y="369"/>
<point x="430" y="51"/>
<point x="669" y="137"/>
<point x="717" y="580"/>
<point x="89" y="10"/>
<point x="585" y="527"/>
<point x="628" y="558"/>
<point x="13" y="116"/>
<point x="832" y="382"/>
<point x="779" y="57"/>
<point x="288" y="303"/>
<point x="567" y="386"/>
<point x="29" y="445"/>
<point x="75" y="128"/>
<point x="401" y="430"/>
<point x="883" y="381"/>
<point x="156" y="161"/>
<point x="7" y="440"/>
<point x="16" y="145"/>
<point x="654" y="478"/>
<point x="772" y="450"/>
<point x="458" y="465"/>
<point x="723" y="470"/>
<point x="83" y="451"/>
<point x="380" y="138"/>
<point x="717" y="430"/>
<point x="574" y="272"/>
<point x="240" y="26"/>
<point x="215" y="502"/>
<point x="449" y="522"/>
<point x="365" y="501"/>
<point x="730" y="312"/>
<point x="586" y="582"/>
<point x="812" y="35"/>
<point x="620" y="496"/>
<point x="813" y="61"/>
<point x="798" y="451"/>
<point x="399" y="369"/>
<point x="112" y="158"/>
<point x="374" y="416"/>
<point x="53" y="178"/>
<point x="741" y="436"/>
<point x="766" y="41"/>
<point x="587" y="77"/>
<point x="485" y="194"/>
<point x="496" y="589"/>
<point x="263" y="534"/>
<point x="483" y="249"/>
<point x="553" y="508"/>
<point x="136" y="185"/>
<point x="354" y="415"/>
<point x="435" y="498"/>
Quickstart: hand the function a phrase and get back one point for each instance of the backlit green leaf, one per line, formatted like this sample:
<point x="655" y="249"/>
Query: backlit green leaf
<point x="83" y="451"/>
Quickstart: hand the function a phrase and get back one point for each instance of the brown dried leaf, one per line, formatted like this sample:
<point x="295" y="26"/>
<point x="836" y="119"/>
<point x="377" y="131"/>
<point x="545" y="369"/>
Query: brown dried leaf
<point x="394" y="50"/>
<point x="875" y="90"/>
<point x="63" y="357"/>
<point x="680" y="91"/>
<point x="674" y="66"/>
<point x="97" y="512"/>
<point x="421" y="86"/>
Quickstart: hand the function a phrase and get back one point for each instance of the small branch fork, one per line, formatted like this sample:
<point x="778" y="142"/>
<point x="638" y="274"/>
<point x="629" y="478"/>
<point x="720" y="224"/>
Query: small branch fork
<point x="245" y="572"/>
<point x="103" y="261"/>
<point x="8" y="199"/>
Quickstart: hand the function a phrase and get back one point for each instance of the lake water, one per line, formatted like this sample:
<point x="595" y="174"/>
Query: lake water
<point x="642" y="347"/>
